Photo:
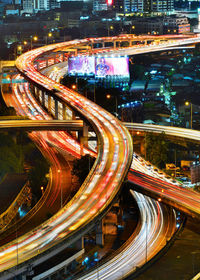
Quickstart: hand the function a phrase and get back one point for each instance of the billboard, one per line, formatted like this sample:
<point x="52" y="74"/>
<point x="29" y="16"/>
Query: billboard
<point x="99" y="66"/>
<point x="111" y="66"/>
<point x="183" y="28"/>
<point x="83" y="65"/>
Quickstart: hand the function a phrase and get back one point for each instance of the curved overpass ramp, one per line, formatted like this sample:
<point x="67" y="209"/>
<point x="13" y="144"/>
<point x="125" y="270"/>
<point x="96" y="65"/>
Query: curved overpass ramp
<point x="106" y="177"/>
<point x="100" y="187"/>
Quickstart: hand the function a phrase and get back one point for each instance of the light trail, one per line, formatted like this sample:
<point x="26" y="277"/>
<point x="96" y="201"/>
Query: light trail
<point x="105" y="179"/>
<point x="106" y="176"/>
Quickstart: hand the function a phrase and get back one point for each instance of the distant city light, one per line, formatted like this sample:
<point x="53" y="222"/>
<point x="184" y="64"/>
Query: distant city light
<point x="84" y="18"/>
<point x="109" y="2"/>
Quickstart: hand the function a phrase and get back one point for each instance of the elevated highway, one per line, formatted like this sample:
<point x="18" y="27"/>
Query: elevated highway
<point x="187" y="201"/>
<point x="106" y="176"/>
<point x="42" y="125"/>
<point x="160" y="228"/>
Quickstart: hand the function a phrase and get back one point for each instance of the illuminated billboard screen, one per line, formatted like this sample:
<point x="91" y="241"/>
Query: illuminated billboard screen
<point x="81" y="65"/>
<point x="111" y="66"/>
<point x="99" y="66"/>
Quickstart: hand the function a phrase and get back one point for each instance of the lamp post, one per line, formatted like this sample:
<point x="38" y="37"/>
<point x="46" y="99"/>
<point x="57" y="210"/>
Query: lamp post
<point x="33" y="38"/>
<point x="146" y="231"/>
<point x="42" y="189"/>
<point x="108" y="96"/>
<point x="49" y="35"/>
<point x="94" y="91"/>
<point x="187" y="103"/>
<point x="61" y="192"/>
<point x="132" y="27"/>
<point x="110" y="28"/>
<point x="18" y="51"/>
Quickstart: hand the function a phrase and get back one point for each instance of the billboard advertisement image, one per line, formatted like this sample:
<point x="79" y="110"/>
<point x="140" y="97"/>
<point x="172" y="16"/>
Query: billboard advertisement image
<point x="83" y="65"/>
<point x="99" y="66"/>
<point x="111" y="66"/>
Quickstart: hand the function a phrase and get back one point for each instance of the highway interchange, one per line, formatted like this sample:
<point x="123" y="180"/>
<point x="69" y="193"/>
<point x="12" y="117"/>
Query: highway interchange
<point x="113" y="145"/>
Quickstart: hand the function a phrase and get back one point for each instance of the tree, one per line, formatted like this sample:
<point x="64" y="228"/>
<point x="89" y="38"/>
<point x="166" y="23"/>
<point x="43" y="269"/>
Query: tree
<point x="157" y="149"/>
<point x="82" y="166"/>
<point x="37" y="177"/>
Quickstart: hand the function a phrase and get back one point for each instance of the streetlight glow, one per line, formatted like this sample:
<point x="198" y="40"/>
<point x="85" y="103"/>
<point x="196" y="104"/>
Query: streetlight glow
<point x="187" y="103"/>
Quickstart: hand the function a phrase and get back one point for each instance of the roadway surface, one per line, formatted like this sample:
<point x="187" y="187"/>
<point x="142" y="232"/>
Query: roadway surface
<point x="111" y="162"/>
<point x="158" y="229"/>
<point x="108" y="172"/>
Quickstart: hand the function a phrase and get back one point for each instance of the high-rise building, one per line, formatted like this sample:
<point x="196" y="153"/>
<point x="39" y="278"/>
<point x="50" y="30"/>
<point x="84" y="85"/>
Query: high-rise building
<point x="162" y="6"/>
<point x="28" y="6"/>
<point x="32" y="6"/>
<point x="147" y="5"/>
<point x="128" y="6"/>
<point x="41" y="5"/>
<point x="131" y="6"/>
<point x="100" y="5"/>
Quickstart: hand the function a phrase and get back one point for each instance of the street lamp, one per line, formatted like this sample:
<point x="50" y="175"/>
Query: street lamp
<point x="42" y="189"/>
<point x="61" y="193"/>
<point x="33" y="38"/>
<point x="108" y="96"/>
<point x="110" y="28"/>
<point x="187" y="103"/>
<point x="19" y="49"/>
<point x="132" y="27"/>
<point x="49" y="35"/>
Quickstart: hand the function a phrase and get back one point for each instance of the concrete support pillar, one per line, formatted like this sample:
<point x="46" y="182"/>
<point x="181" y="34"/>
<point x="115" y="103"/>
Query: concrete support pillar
<point x="83" y="137"/>
<point x="99" y="234"/>
<point x="73" y="115"/>
<point x="49" y="103"/>
<point x="46" y="62"/>
<point x="129" y="43"/>
<point x="37" y="65"/>
<point x="54" y="58"/>
<point x="43" y="98"/>
<point x="64" y="111"/>
<point x="103" y="44"/>
<point x="80" y="243"/>
<point x="114" y="44"/>
<point x="40" y="94"/>
<point x="37" y="92"/>
<point x="56" y="109"/>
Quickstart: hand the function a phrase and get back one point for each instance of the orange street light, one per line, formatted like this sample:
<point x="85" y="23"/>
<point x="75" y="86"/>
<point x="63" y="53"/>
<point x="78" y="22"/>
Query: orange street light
<point x="42" y="189"/>
<point x="187" y="103"/>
